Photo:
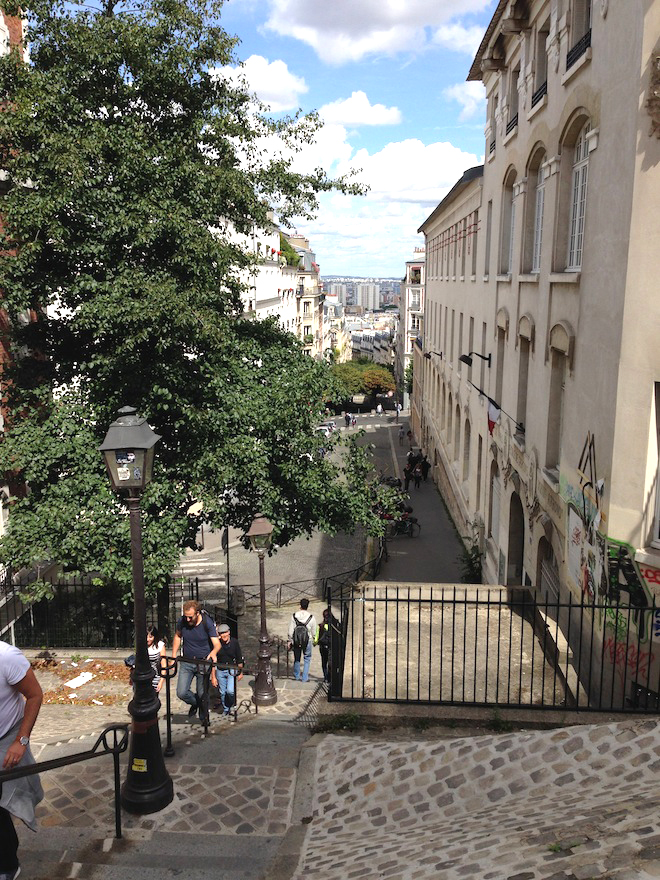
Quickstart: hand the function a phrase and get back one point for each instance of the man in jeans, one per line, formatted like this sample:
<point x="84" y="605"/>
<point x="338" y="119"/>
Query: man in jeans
<point x="200" y="641"/>
<point x="225" y="679"/>
<point x="303" y="618"/>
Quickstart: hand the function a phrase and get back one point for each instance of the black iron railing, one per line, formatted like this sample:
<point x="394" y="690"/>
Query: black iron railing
<point x="511" y="124"/>
<point x="539" y="93"/>
<point x="578" y="49"/>
<point x="82" y="614"/>
<point x="102" y="746"/>
<point x="494" y="647"/>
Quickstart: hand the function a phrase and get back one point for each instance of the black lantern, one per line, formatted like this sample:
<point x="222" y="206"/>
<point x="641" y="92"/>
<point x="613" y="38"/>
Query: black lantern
<point x="260" y="534"/>
<point x="128" y="450"/>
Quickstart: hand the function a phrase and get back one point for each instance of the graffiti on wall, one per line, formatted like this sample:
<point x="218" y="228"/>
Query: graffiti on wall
<point x="602" y="569"/>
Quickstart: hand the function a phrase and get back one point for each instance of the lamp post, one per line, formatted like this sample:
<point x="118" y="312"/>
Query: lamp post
<point x="128" y="450"/>
<point x="264" y="690"/>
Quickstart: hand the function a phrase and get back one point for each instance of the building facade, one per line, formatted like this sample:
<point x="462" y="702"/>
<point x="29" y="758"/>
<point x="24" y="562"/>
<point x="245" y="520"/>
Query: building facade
<point x="411" y="320"/>
<point x="541" y="271"/>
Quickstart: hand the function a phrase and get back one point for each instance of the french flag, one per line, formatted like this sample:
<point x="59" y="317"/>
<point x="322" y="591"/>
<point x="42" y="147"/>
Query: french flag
<point x="493" y="415"/>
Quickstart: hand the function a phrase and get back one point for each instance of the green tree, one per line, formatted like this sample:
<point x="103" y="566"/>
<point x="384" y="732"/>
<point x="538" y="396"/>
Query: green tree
<point x="408" y="377"/>
<point x="289" y="253"/>
<point x="131" y="162"/>
<point x="378" y="380"/>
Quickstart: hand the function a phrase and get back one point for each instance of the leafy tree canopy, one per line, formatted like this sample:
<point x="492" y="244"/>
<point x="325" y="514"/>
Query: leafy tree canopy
<point x="364" y="377"/>
<point x="132" y="163"/>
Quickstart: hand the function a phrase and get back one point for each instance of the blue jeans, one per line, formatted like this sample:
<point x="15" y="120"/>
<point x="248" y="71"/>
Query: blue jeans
<point x="227" y="688"/>
<point x="188" y="671"/>
<point x="307" y="659"/>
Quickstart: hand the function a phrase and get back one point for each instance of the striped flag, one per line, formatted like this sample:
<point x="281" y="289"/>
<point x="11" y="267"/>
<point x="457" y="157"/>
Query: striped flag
<point x="493" y="415"/>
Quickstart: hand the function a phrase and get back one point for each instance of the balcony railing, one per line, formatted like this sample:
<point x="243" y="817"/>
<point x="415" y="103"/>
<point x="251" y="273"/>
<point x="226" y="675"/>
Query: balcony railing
<point x="511" y="124"/>
<point x="491" y="148"/>
<point x="578" y="49"/>
<point x="539" y="93"/>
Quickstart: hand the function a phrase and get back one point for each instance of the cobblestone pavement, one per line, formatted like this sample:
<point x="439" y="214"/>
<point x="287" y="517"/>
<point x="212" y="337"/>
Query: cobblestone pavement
<point x="574" y="803"/>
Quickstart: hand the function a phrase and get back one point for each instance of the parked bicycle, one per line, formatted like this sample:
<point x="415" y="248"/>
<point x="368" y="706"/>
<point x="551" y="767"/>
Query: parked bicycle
<point x="409" y="526"/>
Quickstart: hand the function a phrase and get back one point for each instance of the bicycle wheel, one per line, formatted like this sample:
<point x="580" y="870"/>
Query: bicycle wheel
<point x="414" y="529"/>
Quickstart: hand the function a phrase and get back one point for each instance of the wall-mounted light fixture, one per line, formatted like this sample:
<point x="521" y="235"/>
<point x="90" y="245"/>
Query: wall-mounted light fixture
<point x="467" y="358"/>
<point x="427" y="354"/>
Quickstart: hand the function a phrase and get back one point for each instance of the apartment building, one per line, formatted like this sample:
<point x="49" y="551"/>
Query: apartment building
<point x="540" y="370"/>
<point x="367" y="295"/>
<point x="411" y="316"/>
<point x="310" y="298"/>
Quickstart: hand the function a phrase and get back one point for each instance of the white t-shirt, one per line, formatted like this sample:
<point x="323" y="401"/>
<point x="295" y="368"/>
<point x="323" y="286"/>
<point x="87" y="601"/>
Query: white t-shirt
<point x="14" y="667"/>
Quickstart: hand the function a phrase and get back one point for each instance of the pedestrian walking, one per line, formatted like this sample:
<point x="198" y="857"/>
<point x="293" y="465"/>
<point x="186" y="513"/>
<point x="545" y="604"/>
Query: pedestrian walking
<point x="302" y="636"/>
<point x="197" y="633"/>
<point x="397" y="410"/>
<point x="426" y="467"/>
<point x="379" y="409"/>
<point x="20" y="701"/>
<point x="353" y="421"/>
<point x="229" y="669"/>
<point x="347" y="419"/>
<point x="402" y="434"/>
<point x="323" y="640"/>
<point x="409" y="435"/>
<point x="407" y="476"/>
<point x="156" y="650"/>
<point x="417" y="475"/>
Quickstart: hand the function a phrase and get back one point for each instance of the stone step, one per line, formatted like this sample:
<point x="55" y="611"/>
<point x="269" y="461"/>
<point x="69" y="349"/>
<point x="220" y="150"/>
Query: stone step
<point x="67" y="853"/>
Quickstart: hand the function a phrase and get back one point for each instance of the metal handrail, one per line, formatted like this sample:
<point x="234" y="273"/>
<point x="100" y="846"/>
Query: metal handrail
<point x="119" y="745"/>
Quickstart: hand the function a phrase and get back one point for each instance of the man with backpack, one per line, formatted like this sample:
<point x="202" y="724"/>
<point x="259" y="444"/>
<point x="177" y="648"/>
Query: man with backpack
<point x="196" y="631"/>
<point x="302" y="635"/>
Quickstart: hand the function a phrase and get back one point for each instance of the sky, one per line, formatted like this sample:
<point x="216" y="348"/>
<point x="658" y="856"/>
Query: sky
<point x="388" y="78"/>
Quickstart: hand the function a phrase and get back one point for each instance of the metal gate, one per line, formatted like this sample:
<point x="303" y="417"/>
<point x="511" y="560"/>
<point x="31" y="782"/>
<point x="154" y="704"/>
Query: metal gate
<point x="493" y="646"/>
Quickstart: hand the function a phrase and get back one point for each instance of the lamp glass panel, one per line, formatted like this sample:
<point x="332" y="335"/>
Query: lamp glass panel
<point x="126" y="467"/>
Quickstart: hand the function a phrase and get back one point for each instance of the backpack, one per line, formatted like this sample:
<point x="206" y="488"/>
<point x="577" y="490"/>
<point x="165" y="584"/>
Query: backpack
<point x="300" y="633"/>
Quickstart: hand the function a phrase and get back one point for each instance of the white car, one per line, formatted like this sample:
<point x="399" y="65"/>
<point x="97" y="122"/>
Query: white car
<point x="325" y="430"/>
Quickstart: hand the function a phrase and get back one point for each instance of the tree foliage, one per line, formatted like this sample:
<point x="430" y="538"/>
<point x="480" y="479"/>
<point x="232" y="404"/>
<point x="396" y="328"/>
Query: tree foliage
<point x="408" y="377"/>
<point x="132" y="164"/>
<point x="364" y="377"/>
<point x="289" y="253"/>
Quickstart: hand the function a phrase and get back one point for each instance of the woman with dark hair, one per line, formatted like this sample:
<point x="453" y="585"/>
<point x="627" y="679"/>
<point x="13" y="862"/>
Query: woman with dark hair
<point x="323" y="640"/>
<point x="156" y="650"/>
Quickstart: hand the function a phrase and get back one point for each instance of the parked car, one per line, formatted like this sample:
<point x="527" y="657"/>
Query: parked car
<point x="325" y="430"/>
<point x="329" y="424"/>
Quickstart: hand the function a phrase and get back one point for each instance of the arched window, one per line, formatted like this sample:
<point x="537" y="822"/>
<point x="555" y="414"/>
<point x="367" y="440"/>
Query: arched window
<point x="507" y="225"/>
<point x="578" y="203"/>
<point x="466" y="450"/>
<point x="494" y="505"/>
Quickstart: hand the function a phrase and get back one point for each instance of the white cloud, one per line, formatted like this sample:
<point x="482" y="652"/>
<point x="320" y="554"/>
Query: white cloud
<point x="271" y="81"/>
<point x="357" y="110"/>
<point x="459" y="38"/>
<point x="376" y="234"/>
<point x="471" y="95"/>
<point x="348" y="30"/>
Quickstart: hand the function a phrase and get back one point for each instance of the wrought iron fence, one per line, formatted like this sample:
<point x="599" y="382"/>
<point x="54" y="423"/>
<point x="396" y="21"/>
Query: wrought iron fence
<point x="82" y="614"/>
<point x="492" y="647"/>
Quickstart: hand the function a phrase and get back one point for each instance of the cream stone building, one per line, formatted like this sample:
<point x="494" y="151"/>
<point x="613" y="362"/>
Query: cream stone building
<point x="541" y="268"/>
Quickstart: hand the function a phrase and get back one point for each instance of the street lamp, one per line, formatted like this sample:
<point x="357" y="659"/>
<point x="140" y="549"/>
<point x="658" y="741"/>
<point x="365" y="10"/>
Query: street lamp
<point x="128" y="450"/>
<point x="467" y="358"/>
<point x="264" y="694"/>
<point x="427" y="354"/>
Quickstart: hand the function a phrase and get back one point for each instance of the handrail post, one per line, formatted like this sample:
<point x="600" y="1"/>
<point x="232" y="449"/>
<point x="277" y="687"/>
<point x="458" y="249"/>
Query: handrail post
<point x="115" y="761"/>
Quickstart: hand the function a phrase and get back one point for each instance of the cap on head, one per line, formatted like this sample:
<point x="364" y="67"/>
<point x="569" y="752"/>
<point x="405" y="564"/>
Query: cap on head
<point x="223" y="628"/>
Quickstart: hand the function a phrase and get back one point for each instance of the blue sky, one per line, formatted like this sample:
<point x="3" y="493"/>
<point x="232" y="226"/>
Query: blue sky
<point x="388" y="78"/>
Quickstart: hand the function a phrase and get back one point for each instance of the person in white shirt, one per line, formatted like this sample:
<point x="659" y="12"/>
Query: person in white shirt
<point x="20" y="700"/>
<point x="302" y="620"/>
